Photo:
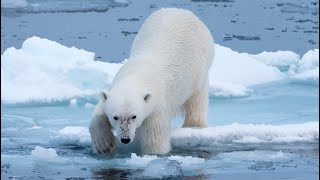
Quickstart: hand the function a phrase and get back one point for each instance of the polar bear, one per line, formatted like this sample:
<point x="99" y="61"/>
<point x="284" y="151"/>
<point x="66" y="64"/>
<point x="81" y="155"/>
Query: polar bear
<point x="165" y="75"/>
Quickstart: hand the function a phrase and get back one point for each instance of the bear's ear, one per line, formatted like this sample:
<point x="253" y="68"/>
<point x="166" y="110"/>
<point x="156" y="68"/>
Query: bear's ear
<point x="103" y="96"/>
<point x="147" y="97"/>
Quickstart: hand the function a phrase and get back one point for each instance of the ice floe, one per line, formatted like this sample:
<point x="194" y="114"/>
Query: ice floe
<point x="226" y="134"/>
<point x="48" y="71"/>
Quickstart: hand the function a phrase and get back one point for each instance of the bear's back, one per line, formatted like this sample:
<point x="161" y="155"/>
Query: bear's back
<point x="176" y="35"/>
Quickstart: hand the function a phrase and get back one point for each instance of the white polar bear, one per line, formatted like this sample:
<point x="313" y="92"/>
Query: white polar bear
<point x="166" y="74"/>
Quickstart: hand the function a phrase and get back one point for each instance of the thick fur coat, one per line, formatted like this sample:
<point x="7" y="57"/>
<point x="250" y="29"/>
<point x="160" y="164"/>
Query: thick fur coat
<point x="166" y="74"/>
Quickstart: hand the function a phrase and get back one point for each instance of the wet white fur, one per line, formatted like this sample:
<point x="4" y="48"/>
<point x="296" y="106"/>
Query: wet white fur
<point x="170" y="59"/>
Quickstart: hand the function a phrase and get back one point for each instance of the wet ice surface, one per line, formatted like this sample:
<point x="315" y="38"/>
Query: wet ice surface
<point x="283" y="151"/>
<point x="263" y="113"/>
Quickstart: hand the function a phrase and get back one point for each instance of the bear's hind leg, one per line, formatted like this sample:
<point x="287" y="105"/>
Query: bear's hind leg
<point x="154" y="135"/>
<point x="196" y="109"/>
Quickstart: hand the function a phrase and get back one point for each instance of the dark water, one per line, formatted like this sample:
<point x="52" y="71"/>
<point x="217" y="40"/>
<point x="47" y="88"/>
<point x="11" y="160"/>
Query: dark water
<point x="107" y="28"/>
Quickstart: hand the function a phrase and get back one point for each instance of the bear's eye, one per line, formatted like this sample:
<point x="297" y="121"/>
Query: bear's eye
<point x="133" y="117"/>
<point x="115" y="118"/>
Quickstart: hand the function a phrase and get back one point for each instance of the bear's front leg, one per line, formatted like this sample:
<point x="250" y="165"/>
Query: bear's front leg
<point x="102" y="138"/>
<point x="155" y="135"/>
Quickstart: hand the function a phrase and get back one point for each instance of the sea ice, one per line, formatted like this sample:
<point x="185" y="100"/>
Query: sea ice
<point x="312" y="74"/>
<point x="222" y="89"/>
<point x="73" y="135"/>
<point x="162" y="168"/>
<point x="277" y="59"/>
<point x="89" y="105"/>
<point x="309" y="61"/>
<point x="241" y="69"/>
<point x="44" y="154"/>
<point x="73" y="102"/>
<point x="48" y="71"/>
<point x="141" y="161"/>
<point x="146" y="159"/>
<point x="233" y="133"/>
<point x="246" y="133"/>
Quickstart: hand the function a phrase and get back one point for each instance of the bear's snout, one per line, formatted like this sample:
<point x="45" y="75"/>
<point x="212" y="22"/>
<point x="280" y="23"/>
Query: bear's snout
<point x="125" y="141"/>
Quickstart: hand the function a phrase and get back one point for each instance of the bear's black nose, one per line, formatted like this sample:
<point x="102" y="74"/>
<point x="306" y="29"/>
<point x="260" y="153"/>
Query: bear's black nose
<point x="125" y="141"/>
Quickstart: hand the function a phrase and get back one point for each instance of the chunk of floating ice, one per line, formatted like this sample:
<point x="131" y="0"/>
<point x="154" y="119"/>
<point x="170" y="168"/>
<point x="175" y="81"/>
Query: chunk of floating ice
<point x="222" y="89"/>
<point x="162" y="168"/>
<point x="246" y="133"/>
<point x="73" y="102"/>
<point x="59" y="71"/>
<point x="73" y="135"/>
<point x="141" y="161"/>
<point x="241" y="69"/>
<point x="312" y="74"/>
<point x="146" y="159"/>
<point x="309" y="61"/>
<point x="278" y="58"/>
<point x="233" y="133"/>
<point x="187" y="160"/>
<point x="308" y="66"/>
<point x="89" y="106"/>
<point x="44" y="154"/>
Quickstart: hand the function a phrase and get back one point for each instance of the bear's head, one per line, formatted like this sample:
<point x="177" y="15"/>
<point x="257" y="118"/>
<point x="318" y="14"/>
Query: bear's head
<point x="126" y="112"/>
